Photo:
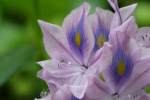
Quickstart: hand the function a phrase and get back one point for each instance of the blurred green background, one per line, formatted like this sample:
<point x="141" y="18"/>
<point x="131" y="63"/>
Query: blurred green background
<point x="21" y="40"/>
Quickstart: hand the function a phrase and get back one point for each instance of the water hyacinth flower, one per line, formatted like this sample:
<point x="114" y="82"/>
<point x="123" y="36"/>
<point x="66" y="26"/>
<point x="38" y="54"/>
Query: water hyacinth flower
<point x="95" y="57"/>
<point x="72" y="60"/>
<point x="128" y="73"/>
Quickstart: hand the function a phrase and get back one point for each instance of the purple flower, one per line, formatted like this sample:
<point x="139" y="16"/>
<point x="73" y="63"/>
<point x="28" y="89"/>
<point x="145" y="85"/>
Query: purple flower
<point x="102" y="56"/>
<point x="72" y="62"/>
<point x="128" y="73"/>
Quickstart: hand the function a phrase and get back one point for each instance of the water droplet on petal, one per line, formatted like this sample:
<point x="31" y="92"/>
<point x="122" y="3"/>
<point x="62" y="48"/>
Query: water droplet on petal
<point x="69" y="63"/>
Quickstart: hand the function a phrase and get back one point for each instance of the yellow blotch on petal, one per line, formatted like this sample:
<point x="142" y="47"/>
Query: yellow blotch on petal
<point x="78" y="39"/>
<point x="121" y="68"/>
<point x="100" y="40"/>
<point x="101" y="77"/>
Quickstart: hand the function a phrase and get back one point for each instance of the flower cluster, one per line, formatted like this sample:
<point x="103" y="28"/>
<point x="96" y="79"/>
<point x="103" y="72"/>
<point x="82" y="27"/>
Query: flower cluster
<point x="99" y="56"/>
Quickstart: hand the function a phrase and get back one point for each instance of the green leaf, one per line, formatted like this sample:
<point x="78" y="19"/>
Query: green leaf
<point x="26" y="6"/>
<point x="142" y="14"/>
<point x="10" y="62"/>
<point x="147" y="89"/>
<point x="10" y="36"/>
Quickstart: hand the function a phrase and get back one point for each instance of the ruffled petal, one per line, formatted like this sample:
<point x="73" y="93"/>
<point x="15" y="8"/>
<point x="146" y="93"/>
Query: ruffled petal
<point x="62" y="93"/>
<point x="55" y="42"/>
<point x="143" y="36"/>
<point x="140" y="77"/>
<point x="122" y="33"/>
<point x="117" y="19"/>
<point x="79" y="33"/>
<point x="125" y="14"/>
<point x="49" y="64"/>
<point x="59" y="73"/>
<point x="145" y="52"/>
<point x="100" y="22"/>
<point x="119" y="70"/>
<point x="134" y="50"/>
<point x="101" y="18"/>
<point x="98" y="90"/>
<point x="114" y="4"/>
<point x="78" y="88"/>
<point x="123" y="56"/>
<point x="65" y="74"/>
<point x="103" y="59"/>
<point x="54" y="66"/>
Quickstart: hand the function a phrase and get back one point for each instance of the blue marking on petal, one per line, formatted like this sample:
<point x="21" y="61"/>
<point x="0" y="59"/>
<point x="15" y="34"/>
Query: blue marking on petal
<point x="77" y="39"/>
<point x="74" y="98"/>
<point x="101" y="36"/>
<point x="121" y="59"/>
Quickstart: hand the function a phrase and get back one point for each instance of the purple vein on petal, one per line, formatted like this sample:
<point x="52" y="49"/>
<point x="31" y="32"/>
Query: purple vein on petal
<point x="61" y="45"/>
<point x="101" y="35"/>
<point x="119" y="14"/>
<point x="114" y="4"/>
<point x="76" y="37"/>
<point x="74" y="98"/>
<point x="122" y="64"/>
<point x="139" y="77"/>
<point x="100" y="87"/>
<point x="121" y="67"/>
